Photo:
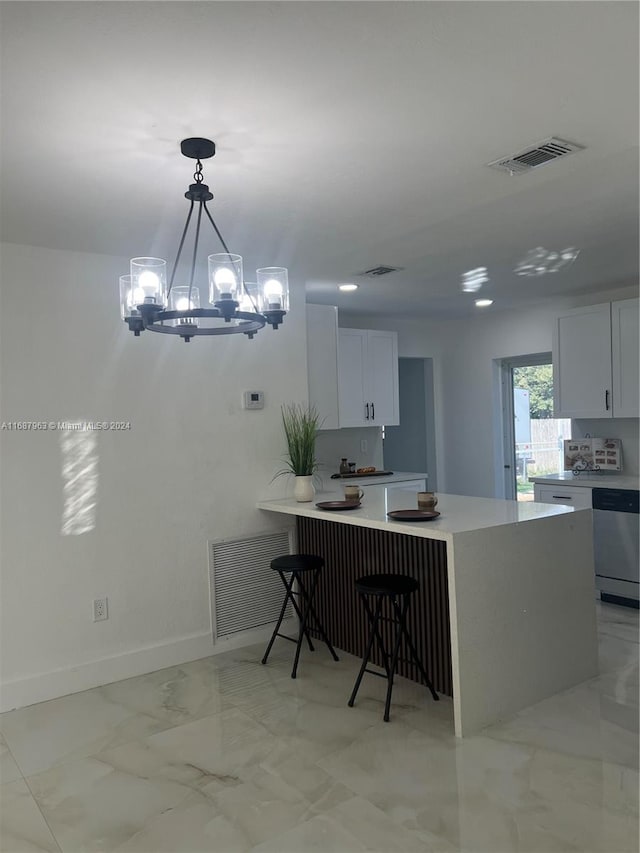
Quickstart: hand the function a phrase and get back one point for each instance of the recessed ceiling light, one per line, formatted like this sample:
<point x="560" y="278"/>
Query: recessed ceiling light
<point x="347" y="287"/>
<point x="473" y="280"/>
<point x="483" y="303"/>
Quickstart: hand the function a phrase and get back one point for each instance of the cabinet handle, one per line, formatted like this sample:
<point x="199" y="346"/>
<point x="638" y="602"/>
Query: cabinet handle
<point x="562" y="497"/>
<point x="606" y="400"/>
<point x="367" y="413"/>
<point x="373" y="412"/>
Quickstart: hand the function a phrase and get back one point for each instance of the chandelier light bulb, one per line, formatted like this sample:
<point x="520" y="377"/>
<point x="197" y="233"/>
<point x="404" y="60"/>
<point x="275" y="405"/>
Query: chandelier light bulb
<point x="226" y="282"/>
<point x="273" y="293"/>
<point x="148" y="280"/>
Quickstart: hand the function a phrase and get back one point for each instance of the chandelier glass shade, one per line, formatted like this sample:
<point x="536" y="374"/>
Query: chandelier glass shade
<point x="152" y="301"/>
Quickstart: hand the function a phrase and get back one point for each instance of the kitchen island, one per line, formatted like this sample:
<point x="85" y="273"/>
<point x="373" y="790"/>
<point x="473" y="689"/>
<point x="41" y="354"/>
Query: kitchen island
<point x="506" y="610"/>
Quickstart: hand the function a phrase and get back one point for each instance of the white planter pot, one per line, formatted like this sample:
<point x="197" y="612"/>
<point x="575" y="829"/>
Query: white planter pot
<point x="303" y="489"/>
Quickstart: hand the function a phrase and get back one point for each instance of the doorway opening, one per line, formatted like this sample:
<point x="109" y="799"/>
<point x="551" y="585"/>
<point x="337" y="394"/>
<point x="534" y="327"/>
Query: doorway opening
<point x="411" y="445"/>
<point x="532" y="437"/>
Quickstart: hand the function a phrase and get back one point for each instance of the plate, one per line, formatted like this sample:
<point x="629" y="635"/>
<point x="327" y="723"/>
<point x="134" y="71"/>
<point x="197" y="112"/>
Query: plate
<point x="337" y="505"/>
<point x="413" y="514"/>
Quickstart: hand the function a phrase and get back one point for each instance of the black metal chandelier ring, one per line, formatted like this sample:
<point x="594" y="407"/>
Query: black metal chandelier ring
<point x="249" y="323"/>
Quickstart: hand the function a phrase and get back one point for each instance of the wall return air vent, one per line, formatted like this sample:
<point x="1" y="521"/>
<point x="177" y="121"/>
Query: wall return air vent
<point x="537" y="155"/>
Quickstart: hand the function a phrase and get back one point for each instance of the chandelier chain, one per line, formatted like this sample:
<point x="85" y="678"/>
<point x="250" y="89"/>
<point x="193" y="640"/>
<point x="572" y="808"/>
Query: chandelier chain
<point x="198" y="177"/>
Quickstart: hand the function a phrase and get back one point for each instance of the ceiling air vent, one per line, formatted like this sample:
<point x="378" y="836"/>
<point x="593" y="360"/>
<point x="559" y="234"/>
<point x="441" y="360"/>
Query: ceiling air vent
<point x="537" y="155"/>
<point x="381" y="270"/>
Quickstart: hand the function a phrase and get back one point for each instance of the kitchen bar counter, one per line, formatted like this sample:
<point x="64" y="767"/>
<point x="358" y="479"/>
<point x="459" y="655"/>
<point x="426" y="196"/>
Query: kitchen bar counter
<point x="506" y="611"/>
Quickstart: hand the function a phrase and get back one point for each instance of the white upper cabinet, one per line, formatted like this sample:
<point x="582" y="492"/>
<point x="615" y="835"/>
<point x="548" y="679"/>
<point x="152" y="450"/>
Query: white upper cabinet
<point x="368" y="378"/>
<point x="595" y="357"/>
<point x="352" y="373"/>
<point x="322" y="362"/>
<point x="624" y="350"/>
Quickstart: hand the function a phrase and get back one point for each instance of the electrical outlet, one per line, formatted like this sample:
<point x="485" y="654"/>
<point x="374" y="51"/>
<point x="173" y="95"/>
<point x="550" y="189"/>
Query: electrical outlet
<point x="363" y="445"/>
<point x="100" y="609"/>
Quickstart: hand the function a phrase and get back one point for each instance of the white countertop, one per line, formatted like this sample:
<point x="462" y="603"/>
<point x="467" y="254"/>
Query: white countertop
<point x="459" y="514"/>
<point x="369" y="480"/>
<point x="591" y="481"/>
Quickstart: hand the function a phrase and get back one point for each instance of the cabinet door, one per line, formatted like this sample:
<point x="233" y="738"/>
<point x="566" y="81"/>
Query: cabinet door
<point x="624" y="348"/>
<point x="322" y="362"/>
<point x="382" y="388"/>
<point x="582" y="363"/>
<point x="352" y="366"/>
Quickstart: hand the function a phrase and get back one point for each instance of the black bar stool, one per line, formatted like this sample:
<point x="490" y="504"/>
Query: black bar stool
<point x="297" y="566"/>
<point x="397" y="589"/>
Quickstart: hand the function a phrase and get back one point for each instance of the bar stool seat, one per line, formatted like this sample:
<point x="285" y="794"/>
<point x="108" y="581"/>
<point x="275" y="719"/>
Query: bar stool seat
<point x="397" y="589"/>
<point x="304" y="572"/>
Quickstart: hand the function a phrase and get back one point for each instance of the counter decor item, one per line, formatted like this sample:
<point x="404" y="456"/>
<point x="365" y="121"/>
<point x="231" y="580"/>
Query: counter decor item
<point x="413" y="514"/>
<point x="338" y="505"/>
<point x="427" y="500"/>
<point x="300" y="425"/>
<point x="592" y="454"/>
<point x="344" y="466"/>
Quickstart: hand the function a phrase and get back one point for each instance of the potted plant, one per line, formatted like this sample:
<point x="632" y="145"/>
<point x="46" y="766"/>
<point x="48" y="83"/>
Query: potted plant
<point x="300" y="427"/>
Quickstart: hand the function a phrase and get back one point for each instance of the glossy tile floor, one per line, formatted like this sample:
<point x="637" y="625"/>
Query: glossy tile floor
<point x="224" y="755"/>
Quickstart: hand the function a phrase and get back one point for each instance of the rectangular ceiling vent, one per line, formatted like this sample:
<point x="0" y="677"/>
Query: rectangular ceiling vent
<point x="381" y="270"/>
<point x="551" y="149"/>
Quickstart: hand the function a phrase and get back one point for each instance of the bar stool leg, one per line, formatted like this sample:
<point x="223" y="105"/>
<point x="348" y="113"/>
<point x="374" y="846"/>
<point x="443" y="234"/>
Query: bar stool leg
<point x="401" y="614"/>
<point x="316" y="620"/>
<point x="289" y="596"/>
<point x="367" y="654"/>
<point x="418" y="663"/>
<point x="278" y="624"/>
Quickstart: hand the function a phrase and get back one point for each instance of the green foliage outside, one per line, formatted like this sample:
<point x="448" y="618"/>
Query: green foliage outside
<point x="538" y="380"/>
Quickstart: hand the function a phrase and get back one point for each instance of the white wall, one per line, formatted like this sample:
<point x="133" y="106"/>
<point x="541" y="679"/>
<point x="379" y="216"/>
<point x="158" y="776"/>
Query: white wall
<point x="463" y="352"/>
<point x="189" y="470"/>
<point x="333" y="444"/>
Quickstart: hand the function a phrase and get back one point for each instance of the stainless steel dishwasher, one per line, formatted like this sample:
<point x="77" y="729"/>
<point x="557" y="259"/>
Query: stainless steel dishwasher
<point x="615" y="545"/>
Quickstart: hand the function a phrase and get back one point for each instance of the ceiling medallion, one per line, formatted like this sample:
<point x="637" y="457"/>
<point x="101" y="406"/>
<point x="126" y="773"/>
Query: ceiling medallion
<point x="236" y="306"/>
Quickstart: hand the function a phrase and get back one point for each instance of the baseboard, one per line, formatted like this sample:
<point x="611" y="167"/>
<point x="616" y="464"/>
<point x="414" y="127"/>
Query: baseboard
<point x="60" y="682"/>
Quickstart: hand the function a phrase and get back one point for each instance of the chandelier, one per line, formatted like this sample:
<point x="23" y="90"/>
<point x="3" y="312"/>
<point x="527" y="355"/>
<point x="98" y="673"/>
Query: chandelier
<point x="235" y="306"/>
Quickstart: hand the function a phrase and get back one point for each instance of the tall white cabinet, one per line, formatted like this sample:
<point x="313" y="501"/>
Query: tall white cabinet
<point x="595" y="355"/>
<point x="625" y="323"/>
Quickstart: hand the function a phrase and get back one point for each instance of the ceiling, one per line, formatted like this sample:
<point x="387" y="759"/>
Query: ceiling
<point x="349" y="135"/>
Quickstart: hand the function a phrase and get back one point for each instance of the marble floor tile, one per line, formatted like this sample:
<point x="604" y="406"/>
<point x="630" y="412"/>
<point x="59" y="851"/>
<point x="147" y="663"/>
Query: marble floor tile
<point x="22" y="826"/>
<point x="224" y="754"/>
<point x="581" y="722"/>
<point x="9" y="770"/>
<point x="49" y="733"/>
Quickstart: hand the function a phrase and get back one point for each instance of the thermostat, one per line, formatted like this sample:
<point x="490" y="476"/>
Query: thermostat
<point x="253" y="400"/>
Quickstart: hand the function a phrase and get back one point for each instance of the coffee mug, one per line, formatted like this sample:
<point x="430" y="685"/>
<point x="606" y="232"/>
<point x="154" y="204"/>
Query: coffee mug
<point x="427" y="500"/>
<point x="353" y="493"/>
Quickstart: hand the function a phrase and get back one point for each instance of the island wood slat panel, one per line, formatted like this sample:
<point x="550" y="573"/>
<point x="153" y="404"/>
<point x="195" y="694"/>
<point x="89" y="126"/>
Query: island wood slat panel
<point x="350" y="552"/>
